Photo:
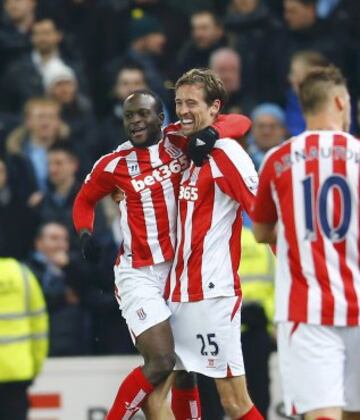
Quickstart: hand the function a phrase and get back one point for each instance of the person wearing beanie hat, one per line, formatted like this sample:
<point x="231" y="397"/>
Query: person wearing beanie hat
<point x="144" y="25"/>
<point x="268" y="130"/>
<point x="147" y="42"/>
<point x="62" y="85"/>
<point x="58" y="72"/>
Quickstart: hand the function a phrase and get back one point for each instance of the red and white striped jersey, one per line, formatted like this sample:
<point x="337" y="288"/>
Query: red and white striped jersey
<point x="310" y="185"/>
<point x="211" y="200"/>
<point x="150" y="179"/>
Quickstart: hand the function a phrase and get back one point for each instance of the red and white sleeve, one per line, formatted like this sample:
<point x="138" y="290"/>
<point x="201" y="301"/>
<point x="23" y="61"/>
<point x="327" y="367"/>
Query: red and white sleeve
<point x="97" y="185"/>
<point x="234" y="172"/>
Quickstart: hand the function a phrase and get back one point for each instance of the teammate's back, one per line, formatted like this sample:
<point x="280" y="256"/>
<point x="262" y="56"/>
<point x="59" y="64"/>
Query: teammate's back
<point x="308" y="203"/>
<point x="315" y="183"/>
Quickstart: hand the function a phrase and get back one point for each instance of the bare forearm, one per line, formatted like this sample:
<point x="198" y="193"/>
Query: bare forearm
<point x="265" y="233"/>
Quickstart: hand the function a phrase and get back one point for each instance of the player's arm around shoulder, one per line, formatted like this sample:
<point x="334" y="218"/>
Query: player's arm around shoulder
<point x="234" y="172"/>
<point x="233" y="159"/>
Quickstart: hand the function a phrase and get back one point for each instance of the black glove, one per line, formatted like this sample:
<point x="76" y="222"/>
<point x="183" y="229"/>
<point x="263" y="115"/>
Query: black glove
<point x="201" y="144"/>
<point x="90" y="249"/>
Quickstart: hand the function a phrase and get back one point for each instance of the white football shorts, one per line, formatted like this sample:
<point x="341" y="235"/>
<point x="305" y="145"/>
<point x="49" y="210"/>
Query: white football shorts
<point x="207" y="336"/>
<point x="319" y="366"/>
<point x="139" y="292"/>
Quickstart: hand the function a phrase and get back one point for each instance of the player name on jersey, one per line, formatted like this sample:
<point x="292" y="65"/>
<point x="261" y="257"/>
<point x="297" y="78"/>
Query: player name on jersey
<point x="312" y="182"/>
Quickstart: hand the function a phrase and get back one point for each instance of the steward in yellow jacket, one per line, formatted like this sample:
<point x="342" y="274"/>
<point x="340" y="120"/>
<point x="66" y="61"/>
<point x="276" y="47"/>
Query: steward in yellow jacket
<point x="256" y="272"/>
<point x="23" y="336"/>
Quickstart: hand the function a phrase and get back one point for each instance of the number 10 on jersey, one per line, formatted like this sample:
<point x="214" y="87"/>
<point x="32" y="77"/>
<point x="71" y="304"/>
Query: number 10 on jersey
<point x="316" y="208"/>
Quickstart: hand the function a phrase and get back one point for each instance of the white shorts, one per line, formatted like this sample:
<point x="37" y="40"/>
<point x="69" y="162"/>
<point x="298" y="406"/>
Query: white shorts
<point x="139" y="292"/>
<point x="319" y="366"/>
<point x="207" y="336"/>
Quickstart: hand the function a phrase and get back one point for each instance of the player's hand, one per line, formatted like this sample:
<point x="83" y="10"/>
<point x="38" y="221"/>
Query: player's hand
<point x="117" y="195"/>
<point x="90" y="249"/>
<point x="201" y="144"/>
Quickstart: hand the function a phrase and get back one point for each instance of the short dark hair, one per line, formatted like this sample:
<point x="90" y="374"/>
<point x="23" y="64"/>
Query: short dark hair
<point x="62" y="146"/>
<point x="314" y="89"/>
<point x="55" y="22"/>
<point x="131" y="65"/>
<point x="307" y="2"/>
<point x="218" y="21"/>
<point x="158" y="102"/>
<point x="211" y="82"/>
<point x="40" y="229"/>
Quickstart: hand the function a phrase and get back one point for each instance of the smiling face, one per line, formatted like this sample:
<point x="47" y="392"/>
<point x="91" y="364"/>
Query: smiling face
<point x="142" y="119"/>
<point x="192" y="110"/>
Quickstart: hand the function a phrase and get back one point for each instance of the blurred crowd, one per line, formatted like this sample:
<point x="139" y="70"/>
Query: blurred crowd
<point x="66" y="67"/>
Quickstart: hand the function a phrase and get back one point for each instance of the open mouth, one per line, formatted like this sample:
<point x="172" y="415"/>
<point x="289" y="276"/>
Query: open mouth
<point x="187" y="123"/>
<point x="138" y="131"/>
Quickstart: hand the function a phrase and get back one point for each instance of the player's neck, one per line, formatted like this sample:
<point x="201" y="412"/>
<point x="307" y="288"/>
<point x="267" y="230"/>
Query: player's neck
<point x="324" y="122"/>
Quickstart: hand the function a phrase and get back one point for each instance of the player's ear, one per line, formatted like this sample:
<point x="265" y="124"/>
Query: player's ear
<point x="215" y="107"/>
<point x="161" y="117"/>
<point x="339" y="102"/>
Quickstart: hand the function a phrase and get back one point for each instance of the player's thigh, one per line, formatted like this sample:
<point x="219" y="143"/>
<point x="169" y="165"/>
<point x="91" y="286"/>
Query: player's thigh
<point x="207" y="336"/>
<point x="140" y="296"/>
<point x="351" y="336"/>
<point x="311" y="359"/>
<point x="156" y="341"/>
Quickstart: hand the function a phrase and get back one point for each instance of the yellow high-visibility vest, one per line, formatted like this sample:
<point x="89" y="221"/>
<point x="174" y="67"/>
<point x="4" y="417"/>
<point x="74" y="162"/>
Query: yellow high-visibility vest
<point x="257" y="271"/>
<point x="23" y="323"/>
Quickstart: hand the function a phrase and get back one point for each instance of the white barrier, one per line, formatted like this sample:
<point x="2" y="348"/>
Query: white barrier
<point x="78" y="388"/>
<point x="83" y="388"/>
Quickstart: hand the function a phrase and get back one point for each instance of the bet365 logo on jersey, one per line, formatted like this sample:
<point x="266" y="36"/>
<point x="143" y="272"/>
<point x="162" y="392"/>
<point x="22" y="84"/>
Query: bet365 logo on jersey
<point x="160" y="174"/>
<point x="188" y="193"/>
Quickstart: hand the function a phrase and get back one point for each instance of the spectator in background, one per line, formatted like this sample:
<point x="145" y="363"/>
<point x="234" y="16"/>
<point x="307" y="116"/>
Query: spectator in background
<point x="23" y="336"/>
<point x="57" y="202"/>
<point x="268" y="131"/>
<point x="130" y="77"/>
<point x="301" y="64"/>
<point x="303" y="31"/>
<point x="17" y="219"/>
<point x="29" y="143"/>
<point x="227" y="63"/>
<point x="248" y="24"/>
<point x="147" y="43"/>
<point x="56" y="206"/>
<point x="307" y="31"/>
<point x="76" y="111"/>
<point x="207" y="35"/>
<point x="61" y="282"/>
<point x="25" y="77"/>
<point x="16" y="23"/>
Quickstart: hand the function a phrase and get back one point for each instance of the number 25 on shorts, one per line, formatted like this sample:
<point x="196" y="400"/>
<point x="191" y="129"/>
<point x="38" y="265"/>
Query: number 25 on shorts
<point x="209" y="345"/>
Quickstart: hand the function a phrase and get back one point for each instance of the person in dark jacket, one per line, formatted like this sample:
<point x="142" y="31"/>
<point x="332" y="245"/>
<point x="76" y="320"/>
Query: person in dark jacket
<point x="15" y="29"/>
<point x="61" y="282"/>
<point x="248" y="24"/>
<point x="207" y="35"/>
<point x="24" y="77"/>
<point x="146" y="48"/>
<point x="57" y="202"/>
<point x="62" y="85"/>
<point x="17" y="220"/>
